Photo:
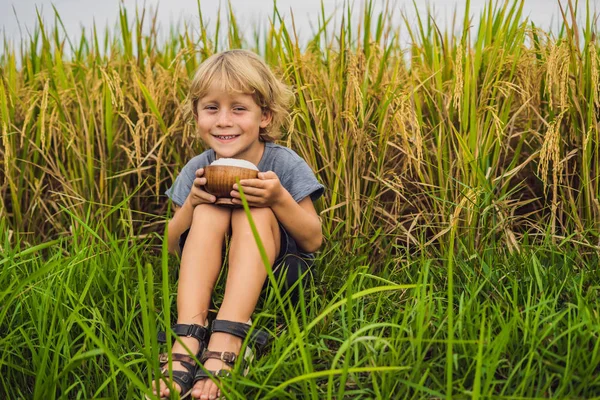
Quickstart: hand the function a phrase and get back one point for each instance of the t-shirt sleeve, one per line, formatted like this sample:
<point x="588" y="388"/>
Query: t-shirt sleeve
<point x="184" y="181"/>
<point x="301" y="181"/>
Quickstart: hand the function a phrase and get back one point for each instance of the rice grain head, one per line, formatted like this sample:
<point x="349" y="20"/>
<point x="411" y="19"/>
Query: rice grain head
<point x="550" y="153"/>
<point x="458" y="73"/>
<point x="409" y="130"/>
<point x="557" y="74"/>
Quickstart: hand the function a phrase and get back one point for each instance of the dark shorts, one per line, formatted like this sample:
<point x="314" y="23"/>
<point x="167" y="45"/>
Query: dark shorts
<point x="291" y="265"/>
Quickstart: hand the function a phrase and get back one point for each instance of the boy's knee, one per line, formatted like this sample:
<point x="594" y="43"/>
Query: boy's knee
<point x="260" y="216"/>
<point x="263" y="217"/>
<point x="212" y="216"/>
<point x="265" y="221"/>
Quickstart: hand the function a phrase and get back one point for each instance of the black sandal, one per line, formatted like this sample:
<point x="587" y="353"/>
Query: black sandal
<point x="183" y="378"/>
<point x="259" y="339"/>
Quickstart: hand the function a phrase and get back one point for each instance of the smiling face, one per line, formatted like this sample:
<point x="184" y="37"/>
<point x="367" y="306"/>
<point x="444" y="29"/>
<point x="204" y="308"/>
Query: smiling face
<point x="230" y="123"/>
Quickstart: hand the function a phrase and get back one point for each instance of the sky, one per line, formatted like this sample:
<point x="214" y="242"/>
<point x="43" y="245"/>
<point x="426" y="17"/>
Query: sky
<point x="82" y="13"/>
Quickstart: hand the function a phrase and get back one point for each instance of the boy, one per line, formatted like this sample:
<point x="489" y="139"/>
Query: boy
<point x="238" y="106"/>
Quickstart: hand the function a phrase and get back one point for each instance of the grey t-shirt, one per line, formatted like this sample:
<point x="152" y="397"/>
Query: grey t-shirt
<point x="293" y="172"/>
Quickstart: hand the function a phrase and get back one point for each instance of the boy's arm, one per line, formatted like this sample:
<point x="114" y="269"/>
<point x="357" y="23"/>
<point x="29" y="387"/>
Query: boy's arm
<point x="300" y="220"/>
<point x="181" y="221"/>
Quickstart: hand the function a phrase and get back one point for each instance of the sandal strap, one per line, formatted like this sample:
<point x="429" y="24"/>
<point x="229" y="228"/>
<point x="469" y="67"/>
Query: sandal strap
<point x="227" y="357"/>
<point x="196" y="331"/>
<point x="184" y="359"/>
<point x="202" y="374"/>
<point x="241" y="330"/>
<point x="184" y="379"/>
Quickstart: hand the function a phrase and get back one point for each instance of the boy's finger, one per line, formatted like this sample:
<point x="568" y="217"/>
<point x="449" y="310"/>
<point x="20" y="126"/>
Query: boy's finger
<point x="252" y="200"/>
<point x="251" y="183"/>
<point x="199" y="172"/>
<point x="248" y="191"/>
<point x="267" y="175"/>
<point x="199" y="182"/>
<point x="209" y="198"/>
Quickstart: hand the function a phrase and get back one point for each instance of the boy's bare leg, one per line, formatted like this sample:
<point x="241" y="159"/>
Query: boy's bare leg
<point x="201" y="262"/>
<point x="245" y="279"/>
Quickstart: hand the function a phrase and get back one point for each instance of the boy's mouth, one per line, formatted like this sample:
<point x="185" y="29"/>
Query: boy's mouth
<point x="225" y="138"/>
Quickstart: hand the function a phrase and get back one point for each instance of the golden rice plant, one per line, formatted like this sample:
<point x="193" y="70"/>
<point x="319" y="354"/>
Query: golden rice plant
<point x="492" y="132"/>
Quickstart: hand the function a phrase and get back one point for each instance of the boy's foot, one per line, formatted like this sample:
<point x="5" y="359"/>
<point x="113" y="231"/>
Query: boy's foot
<point x="164" y="391"/>
<point x="206" y="389"/>
<point x="193" y="337"/>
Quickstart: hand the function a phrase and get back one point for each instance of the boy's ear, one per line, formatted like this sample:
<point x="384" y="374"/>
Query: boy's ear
<point x="266" y="118"/>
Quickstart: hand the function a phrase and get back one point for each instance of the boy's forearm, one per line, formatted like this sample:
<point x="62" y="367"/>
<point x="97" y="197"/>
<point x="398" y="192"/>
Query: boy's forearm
<point x="305" y="227"/>
<point x="180" y="222"/>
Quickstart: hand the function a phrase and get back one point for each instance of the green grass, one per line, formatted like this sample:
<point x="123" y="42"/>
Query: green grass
<point x="80" y="317"/>
<point x="460" y="170"/>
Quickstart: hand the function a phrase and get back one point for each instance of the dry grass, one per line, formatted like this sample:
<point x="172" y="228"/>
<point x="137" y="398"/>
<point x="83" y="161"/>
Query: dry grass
<point x="498" y="127"/>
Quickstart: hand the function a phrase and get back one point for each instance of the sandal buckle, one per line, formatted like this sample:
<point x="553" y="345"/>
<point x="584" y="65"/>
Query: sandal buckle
<point x="231" y="357"/>
<point x="163" y="358"/>
<point x="190" y="331"/>
<point x="196" y="331"/>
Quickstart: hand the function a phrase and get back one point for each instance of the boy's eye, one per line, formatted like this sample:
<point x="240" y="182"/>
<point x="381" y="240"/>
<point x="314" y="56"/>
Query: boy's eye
<point x="210" y="107"/>
<point x="239" y="109"/>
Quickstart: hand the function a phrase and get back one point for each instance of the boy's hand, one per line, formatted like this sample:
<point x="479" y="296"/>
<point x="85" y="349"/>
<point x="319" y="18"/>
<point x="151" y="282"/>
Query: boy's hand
<point x="262" y="192"/>
<point x="198" y="195"/>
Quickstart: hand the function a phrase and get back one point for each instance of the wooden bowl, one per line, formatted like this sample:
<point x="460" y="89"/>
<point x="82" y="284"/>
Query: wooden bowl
<point x="221" y="178"/>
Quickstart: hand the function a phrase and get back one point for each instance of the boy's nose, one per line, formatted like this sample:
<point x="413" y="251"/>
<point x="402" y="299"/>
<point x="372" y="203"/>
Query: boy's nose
<point x="224" y="119"/>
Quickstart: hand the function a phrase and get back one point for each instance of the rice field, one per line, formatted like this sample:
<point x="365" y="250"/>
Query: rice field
<point x="461" y="217"/>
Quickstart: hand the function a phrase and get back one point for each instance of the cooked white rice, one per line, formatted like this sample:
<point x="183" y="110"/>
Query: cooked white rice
<point x="235" y="162"/>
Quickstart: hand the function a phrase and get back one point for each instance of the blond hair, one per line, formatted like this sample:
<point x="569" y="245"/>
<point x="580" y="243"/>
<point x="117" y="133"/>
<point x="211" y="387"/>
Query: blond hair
<point x="242" y="71"/>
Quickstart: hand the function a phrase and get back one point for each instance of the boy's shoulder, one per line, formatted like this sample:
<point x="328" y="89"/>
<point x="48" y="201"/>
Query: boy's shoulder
<point x="284" y="161"/>
<point x="294" y="173"/>
<point x="282" y="153"/>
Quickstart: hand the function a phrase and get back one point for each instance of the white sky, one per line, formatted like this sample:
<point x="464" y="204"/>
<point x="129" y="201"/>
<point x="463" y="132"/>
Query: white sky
<point x="78" y="13"/>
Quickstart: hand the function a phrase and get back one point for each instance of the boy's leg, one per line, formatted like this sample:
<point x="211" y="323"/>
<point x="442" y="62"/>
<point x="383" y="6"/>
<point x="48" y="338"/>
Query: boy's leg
<point x="201" y="262"/>
<point x="244" y="284"/>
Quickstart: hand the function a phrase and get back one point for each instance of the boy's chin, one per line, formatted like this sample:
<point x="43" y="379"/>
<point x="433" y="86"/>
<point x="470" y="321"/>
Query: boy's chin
<point x="244" y="153"/>
<point x="227" y="154"/>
